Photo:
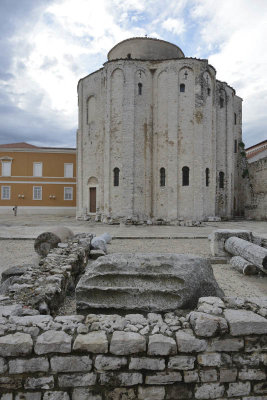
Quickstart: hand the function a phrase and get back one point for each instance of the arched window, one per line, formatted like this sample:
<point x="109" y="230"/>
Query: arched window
<point x="185" y="172"/>
<point x="182" y="87"/>
<point x="162" y="176"/>
<point x="129" y="56"/>
<point x="221" y="102"/>
<point x="221" y="180"/>
<point x="116" y="172"/>
<point x="207" y="176"/>
<point x="140" y="86"/>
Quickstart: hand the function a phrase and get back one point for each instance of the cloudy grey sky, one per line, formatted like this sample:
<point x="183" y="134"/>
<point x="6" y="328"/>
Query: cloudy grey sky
<point x="46" y="46"/>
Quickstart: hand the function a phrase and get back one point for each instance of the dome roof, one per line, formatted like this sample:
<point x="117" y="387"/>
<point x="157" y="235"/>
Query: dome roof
<point x="143" y="48"/>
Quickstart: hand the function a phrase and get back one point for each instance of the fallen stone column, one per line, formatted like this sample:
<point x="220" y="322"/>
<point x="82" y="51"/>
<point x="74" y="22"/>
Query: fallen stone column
<point x="243" y="266"/>
<point x="255" y="254"/>
<point x="49" y="240"/>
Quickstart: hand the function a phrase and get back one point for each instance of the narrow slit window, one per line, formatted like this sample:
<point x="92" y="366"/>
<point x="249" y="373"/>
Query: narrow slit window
<point x="235" y="118"/>
<point x="116" y="172"/>
<point x="221" y="102"/>
<point x="162" y="176"/>
<point x="235" y="146"/>
<point x="185" y="174"/>
<point x="207" y="176"/>
<point x="129" y="56"/>
<point x="182" y="87"/>
<point x="140" y="87"/>
<point x="208" y="91"/>
<point x="221" y="180"/>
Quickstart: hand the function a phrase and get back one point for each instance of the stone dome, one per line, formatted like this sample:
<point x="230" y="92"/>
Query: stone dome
<point x="143" y="48"/>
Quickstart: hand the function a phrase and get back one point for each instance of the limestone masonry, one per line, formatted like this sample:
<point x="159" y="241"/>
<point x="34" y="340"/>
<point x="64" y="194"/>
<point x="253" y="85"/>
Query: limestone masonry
<point x="159" y="137"/>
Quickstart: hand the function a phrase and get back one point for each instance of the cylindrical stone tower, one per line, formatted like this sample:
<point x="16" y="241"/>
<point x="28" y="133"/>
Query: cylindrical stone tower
<point x="158" y="137"/>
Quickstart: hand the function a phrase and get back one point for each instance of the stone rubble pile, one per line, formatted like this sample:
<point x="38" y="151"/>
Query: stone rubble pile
<point x="44" y="286"/>
<point x="217" y="351"/>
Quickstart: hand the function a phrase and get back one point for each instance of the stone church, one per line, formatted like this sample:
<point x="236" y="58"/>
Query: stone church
<point x="159" y="137"/>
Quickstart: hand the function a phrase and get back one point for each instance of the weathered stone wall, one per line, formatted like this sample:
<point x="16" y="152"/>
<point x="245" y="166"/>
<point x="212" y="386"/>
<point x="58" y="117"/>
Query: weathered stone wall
<point x="257" y="209"/>
<point x="218" y="351"/>
<point x="44" y="286"/>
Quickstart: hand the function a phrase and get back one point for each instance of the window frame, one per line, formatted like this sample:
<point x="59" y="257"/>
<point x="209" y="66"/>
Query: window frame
<point x="2" y="192"/>
<point x="9" y="163"/>
<point x="221" y="180"/>
<point x="65" y="170"/>
<point x="162" y="177"/>
<point x="140" y="89"/>
<point x="182" y="88"/>
<point x="33" y="172"/>
<point x="185" y="175"/>
<point x="33" y="192"/>
<point x="116" y="177"/>
<point x="71" y="189"/>
<point x="207" y="175"/>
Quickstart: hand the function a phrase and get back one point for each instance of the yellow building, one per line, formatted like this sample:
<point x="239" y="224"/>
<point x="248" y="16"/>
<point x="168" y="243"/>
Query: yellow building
<point x="38" y="180"/>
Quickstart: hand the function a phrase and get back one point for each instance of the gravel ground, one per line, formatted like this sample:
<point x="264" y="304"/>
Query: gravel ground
<point x="15" y="252"/>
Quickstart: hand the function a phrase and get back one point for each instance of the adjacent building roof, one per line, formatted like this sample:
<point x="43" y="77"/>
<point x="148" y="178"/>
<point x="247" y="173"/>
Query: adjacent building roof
<point x="259" y="150"/>
<point x="24" y="145"/>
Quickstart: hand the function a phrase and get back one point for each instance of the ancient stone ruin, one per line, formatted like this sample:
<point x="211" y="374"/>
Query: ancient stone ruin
<point x="156" y="351"/>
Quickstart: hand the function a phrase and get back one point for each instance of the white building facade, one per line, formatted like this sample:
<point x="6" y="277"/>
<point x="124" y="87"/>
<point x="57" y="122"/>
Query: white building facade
<point x="158" y="137"/>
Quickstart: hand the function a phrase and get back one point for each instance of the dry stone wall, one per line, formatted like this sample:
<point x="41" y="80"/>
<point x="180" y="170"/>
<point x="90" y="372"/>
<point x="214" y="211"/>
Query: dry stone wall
<point x="44" y="286"/>
<point x="218" y="351"/>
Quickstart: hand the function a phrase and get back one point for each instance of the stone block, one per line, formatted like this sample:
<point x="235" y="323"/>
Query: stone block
<point x="121" y="379"/>
<point x="206" y="325"/>
<point x="187" y="342"/>
<point x="209" y="391"/>
<point x="85" y="394"/>
<point x="244" y="322"/>
<point x="255" y="398"/>
<point x="44" y="382"/>
<point x="123" y="343"/>
<point x="228" y="374"/>
<point x="209" y="359"/>
<point x="74" y="380"/>
<point x="22" y="365"/>
<point x="53" y="342"/>
<point x="146" y="282"/>
<point x="31" y="320"/>
<point x="178" y="391"/>
<point x="157" y="364"/>
<point x="120" y="394"/>
<point x="160" y="345"/>
<point x="238" y="389"/>
<point x="3" y="365"/>
<point x="219" y="237"/>
<point x="71" y="364"/>
<point x="56" y="396"/>
<point x="17" y="344"/>
<point x="93" y="342"/>
<point x="191" y="376"/>
<point x="208" y="375"/>
<point x="248" y="360"/>
<point x="182" y="362"/>
<point x="28" y="396"/>
<point x="105" y="363"/>
<point x="7" y="382"/>
<point x="252" y="375"/>
<point x="6" y="396"/>
<point x="260" y="388"/>
<point x="163" y="378"/>
<point x="151" y="393"/>
<point x="232" y="344"/>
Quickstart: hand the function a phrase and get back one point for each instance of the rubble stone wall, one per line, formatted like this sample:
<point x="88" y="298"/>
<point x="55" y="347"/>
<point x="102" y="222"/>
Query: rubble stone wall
<point x="218" y="351"/>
